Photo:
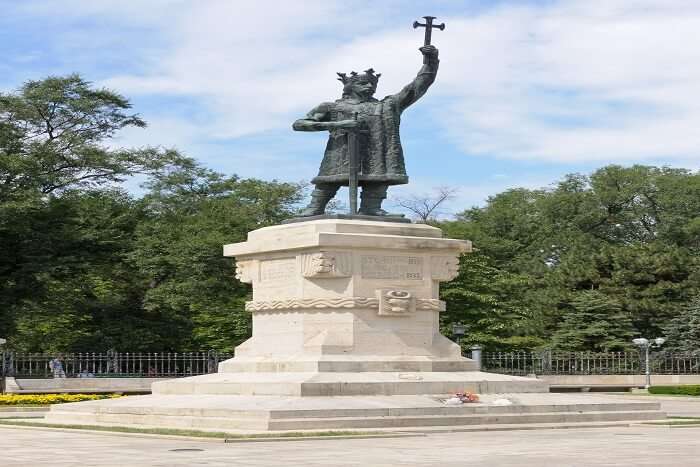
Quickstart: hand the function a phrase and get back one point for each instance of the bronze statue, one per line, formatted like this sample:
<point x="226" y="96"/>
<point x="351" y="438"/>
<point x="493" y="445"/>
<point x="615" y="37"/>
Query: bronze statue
<point x="364" y="147"/>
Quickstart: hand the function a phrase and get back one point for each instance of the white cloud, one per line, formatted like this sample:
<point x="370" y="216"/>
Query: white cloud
<point x="577" y="81"/>
<point x="569" y="81"/>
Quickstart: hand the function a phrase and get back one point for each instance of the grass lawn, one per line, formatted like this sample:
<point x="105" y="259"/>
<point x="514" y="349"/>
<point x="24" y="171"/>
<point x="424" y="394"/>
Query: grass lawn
<point x="688" y="422"/>
<point x="645" y="394"/>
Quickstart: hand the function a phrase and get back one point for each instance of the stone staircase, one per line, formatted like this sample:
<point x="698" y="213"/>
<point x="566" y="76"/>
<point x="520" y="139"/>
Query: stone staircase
<point x="244" y="414"/>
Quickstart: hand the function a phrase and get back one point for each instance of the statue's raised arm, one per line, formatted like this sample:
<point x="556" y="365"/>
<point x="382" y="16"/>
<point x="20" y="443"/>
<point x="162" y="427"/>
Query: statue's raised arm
<point x="426" y="76"/>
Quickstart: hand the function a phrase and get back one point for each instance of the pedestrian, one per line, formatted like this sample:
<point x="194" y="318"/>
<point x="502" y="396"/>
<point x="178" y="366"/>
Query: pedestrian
<point x="56" y="366"/>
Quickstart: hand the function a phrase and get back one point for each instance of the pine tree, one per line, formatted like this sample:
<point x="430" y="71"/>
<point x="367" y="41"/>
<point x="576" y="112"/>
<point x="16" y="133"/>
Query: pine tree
<point x="683" y="331"/>
<point x="594" y="322"/>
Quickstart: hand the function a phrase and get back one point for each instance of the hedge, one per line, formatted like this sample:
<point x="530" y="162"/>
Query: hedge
<point x="48" y="399"/>
<point x="683" y="390"/>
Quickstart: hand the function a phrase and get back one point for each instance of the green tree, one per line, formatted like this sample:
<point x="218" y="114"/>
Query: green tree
<point x="629" y="232"/>
<point x="486" y="300"/>
<point x="594" y="322"/>
<point x="64" y="227"/>
<point x="65" y="284"/>
<point x="52" y="135"/>
<point x="683" y="330"/>
<point x="191" y="213"/>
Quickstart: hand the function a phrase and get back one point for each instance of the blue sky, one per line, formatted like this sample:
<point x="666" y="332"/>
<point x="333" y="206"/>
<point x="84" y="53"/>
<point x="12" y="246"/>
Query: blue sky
<point x="527" y="91"/>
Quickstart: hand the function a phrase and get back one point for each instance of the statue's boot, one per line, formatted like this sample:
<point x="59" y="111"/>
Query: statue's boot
<point x="371" y="201"/>
<point x="319" y="199"/>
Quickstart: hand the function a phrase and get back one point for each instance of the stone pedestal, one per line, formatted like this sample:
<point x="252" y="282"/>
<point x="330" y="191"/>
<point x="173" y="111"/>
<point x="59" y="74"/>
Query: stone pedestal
<point x="341" y="295"/>
<point x="346" y="307"/>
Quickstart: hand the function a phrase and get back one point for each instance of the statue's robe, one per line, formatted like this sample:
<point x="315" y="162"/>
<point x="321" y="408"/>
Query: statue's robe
<point x="379" y="143"/>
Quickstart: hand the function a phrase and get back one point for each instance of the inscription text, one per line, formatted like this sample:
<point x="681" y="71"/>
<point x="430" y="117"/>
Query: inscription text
<point x="392" y="267"/>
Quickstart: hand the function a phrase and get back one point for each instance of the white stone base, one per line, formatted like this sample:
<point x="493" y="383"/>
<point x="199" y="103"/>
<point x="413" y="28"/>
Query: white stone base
<point x="346" y="364"/>
<point x="250" y="414"/>
<point x="308" y="384"/>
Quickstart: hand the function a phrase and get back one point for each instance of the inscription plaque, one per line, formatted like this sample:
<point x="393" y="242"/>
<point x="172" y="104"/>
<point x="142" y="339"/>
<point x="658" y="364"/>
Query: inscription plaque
<point x="392" y="267"/>
<point x="277" y="269"/>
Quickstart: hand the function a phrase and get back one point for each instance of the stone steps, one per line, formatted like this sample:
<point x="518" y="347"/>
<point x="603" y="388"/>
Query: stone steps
<point x="313" y="384"/>
<point x="459" y="420"/>
<point x="466" y="409"/>
<point x="355" y="418"/>
<point x="23" y="412"/>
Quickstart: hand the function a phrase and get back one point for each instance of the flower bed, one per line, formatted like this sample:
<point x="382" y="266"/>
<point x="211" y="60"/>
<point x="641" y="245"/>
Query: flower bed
<point x="48" y="399"/>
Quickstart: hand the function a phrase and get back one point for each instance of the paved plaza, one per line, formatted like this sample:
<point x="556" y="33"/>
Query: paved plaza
<point x="674" y="406"/>
<point x="619" y="446"/>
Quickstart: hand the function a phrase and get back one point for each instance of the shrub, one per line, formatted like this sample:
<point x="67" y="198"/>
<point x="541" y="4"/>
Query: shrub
<point x="48" y="399"/>
<point x="685" y="390"/>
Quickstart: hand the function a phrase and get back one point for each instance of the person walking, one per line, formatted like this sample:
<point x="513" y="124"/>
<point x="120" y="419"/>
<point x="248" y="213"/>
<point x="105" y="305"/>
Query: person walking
<point x="56" y="366"/>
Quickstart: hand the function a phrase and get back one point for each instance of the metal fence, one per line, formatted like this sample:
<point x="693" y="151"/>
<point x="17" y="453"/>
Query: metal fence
<point x="172" y="365"/>
<point x="590" y="363"/>
<point x="110" y="364"/>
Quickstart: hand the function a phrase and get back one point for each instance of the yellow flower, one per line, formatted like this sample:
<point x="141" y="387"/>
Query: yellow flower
<point x="48" y="399"/>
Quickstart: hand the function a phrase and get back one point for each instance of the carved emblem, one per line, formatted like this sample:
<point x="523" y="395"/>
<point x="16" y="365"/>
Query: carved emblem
<point x="244" y="271"/>
<point x="396" y="302"/>
<point x="322" y="263"/>
<point x="326" y="264"/>
<point x="444" y="268"/>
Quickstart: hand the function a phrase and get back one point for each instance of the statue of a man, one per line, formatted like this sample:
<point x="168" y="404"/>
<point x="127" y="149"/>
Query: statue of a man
<point x="376" y="126"/>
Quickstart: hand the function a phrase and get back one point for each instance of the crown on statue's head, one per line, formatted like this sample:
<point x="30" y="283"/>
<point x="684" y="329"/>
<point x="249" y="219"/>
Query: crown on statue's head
<point x="354" y="76"/>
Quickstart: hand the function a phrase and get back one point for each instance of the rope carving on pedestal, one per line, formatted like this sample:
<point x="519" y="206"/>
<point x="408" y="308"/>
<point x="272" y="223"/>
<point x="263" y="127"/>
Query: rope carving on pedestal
<point x="424" y="304"/>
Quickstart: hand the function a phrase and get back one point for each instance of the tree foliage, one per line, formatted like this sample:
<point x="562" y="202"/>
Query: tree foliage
<point x="683" y="330"/>
<point x="607" y="257"/>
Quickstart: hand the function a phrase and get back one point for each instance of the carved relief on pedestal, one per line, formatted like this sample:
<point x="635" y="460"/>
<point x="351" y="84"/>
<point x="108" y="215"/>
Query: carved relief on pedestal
<point x="278" y="270"/>
<point x="430" y="304"/>
<point x="444" y="268"/>
<point x="311" y="303"/>
<point x="395" y="302"/>
<point x="396" y="306"/>
<point x="245" y="271"/>
<point x="326" y="264"/>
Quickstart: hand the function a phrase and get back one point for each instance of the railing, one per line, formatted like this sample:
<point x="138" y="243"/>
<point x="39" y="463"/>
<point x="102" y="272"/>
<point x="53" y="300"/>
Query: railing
<point x="590" y="363"/>
<point x="172" y="365"/>
<point x="111" y="364"/>
<point x="675" y="363"/>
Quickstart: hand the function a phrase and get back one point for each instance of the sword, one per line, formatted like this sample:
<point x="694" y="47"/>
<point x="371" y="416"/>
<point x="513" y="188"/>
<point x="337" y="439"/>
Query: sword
<point x="353" y="168"/>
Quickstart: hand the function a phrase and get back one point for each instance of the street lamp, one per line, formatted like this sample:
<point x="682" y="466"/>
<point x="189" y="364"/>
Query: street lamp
<point x="458" y="331"/>
<point x="2" y="367"/>
<point x="644" y="346"/>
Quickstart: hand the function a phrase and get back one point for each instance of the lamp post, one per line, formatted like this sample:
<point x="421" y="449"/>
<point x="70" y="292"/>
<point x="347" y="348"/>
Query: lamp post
<point x="644" y="346"/>
<point x="2" y="366"/>
<point x="458" y="331"/>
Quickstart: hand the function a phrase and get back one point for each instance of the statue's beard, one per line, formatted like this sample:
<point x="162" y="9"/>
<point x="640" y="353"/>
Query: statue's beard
<point x="364" y="94"/>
